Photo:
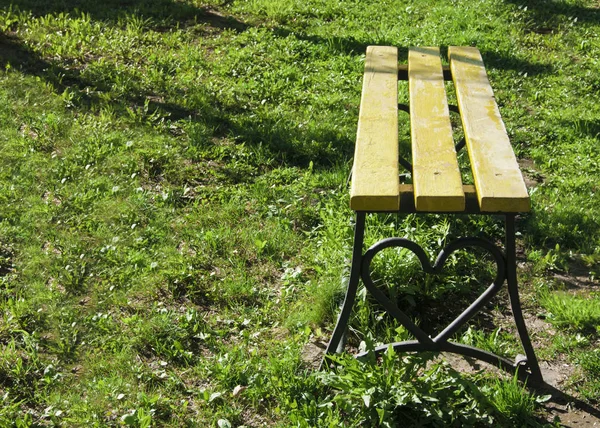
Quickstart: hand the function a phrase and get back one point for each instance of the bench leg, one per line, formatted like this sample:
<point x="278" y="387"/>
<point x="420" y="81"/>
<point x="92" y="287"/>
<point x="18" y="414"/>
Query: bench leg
<point x="507" y="270"/>
<point x="337" y="341"/>
<point x="513" y="291"/>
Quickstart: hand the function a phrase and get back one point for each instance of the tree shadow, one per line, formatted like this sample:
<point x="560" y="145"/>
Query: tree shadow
<point x="89" y="90"/>
<point x="159" y="14"/>
<point x="545" y="15"/>
<point x="502" y="61"/>
<point x="155" y="14"/>
<point x="15" y="53"/>
<point x="565" y="227"/>
<point x="18" y="55"/>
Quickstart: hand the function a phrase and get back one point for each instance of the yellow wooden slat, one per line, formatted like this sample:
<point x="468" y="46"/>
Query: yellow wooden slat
<point x="498" y="180"/>
<point x="375" y="171"/>
<point x="407" y="199"/>
<point x="436" y="176"/>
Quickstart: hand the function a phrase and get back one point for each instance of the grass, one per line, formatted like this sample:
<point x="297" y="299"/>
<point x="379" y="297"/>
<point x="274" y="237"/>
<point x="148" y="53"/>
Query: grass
<point x="174" y="221"/>
<point x="567" y="311"/>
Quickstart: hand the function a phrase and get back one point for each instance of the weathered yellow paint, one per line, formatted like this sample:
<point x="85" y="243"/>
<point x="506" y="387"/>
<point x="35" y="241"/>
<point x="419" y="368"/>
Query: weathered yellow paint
<point x="375" y="171"/>
<point x="407" y="199"/>
<point x="498" y="180"/>
<point x="436" y="176"/>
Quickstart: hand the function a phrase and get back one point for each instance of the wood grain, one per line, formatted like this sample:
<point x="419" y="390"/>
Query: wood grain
<point x="436" y="176"/>
<point x="498" y="180"/>
<point x="375" y="171"/>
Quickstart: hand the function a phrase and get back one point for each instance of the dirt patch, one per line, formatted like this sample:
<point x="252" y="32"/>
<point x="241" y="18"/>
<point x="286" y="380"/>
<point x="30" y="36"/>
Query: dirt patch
<point x="576" y="418"/>
<point x="556" y="373"/>
<point x="312" y="354"/>
<point x="466" y="365"/>
<point x="569" y="411"/>
<point x="537" y="326"/>
<point x="578" y="277"/>
<point x="531" y="175"/>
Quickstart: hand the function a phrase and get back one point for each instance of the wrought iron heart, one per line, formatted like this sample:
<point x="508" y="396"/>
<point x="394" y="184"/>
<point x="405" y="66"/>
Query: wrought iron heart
<point x="434" y="268"/>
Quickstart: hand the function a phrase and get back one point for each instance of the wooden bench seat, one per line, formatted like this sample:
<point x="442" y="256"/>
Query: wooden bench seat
<point x="437" y="184"/>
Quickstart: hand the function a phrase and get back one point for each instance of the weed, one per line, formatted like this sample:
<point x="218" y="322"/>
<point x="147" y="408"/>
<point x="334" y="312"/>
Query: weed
<point x="498" y="341"/>
<point x="590" y="364"/>
<point x="571" y="312"/>
<point x="408" y="391"/>
<point x="513" y="402"/>
<point x="553" y="259"/>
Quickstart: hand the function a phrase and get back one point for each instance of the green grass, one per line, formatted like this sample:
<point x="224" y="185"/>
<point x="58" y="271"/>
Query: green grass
<point x="174" y="221"/>
<point x="579" y="313"/>
<point x="589" y="385"/>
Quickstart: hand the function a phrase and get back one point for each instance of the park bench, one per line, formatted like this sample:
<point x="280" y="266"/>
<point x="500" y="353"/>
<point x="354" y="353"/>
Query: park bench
<point x="437" y="185"/>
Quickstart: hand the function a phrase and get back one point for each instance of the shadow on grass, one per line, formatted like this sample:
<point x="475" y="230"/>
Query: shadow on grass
<point x="501" y="61"/>
<point x="564" y="403"/>
<point x="353" y="46"/>
<point x="570" y="228"/>
<point x="544" y="14"/>
<point x="18" y="55"/>
<point x="323" y="145"/>
<point x="585" y="127"/>
<point x="157" y="15"/>
<point x="15" y="53"/>
<point x="346" y="45"/>
<point x="160" y="14"/>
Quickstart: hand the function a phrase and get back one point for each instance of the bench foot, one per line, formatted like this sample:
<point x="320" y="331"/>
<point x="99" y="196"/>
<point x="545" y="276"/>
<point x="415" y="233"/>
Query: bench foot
<point x="526" y="366"/>
<point x="520" y="366"/>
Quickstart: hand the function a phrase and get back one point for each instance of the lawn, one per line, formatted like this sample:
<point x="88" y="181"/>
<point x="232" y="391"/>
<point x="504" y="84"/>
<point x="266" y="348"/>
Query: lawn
<point x="175" y="229"/>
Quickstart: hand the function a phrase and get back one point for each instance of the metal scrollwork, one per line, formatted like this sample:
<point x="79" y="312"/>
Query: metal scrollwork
<point x="524" y="366"/>
<point x="427" y="342"/>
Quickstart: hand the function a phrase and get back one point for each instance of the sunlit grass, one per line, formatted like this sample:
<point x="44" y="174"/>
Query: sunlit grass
<point x="174" y="219"/>
<point x="572" y="312"/>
